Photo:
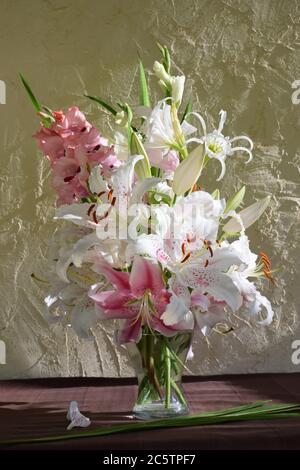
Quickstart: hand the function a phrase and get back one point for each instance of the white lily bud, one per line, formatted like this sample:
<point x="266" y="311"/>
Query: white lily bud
<point x="216" y="194"/>
<point x="189" y="170"/>
<point x="121" y="119"/>
<point x="235" y="201"/>
<point x="161" y="73"/>
<point x="248" y="216"/>
<point x="177" y="88"/>
<point x="142" y="168"/>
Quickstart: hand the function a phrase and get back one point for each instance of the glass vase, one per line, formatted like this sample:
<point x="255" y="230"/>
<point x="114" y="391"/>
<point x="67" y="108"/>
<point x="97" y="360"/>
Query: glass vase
<point x="158" y="362"/>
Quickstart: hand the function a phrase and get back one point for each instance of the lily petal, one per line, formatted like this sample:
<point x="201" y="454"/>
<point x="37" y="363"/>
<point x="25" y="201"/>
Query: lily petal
<point x="175" y="312"/>
<point x="145" y="275"/>
<point x="96" y="181"/>
<point x="131" y="332"/>
<point x="118" y="279"/>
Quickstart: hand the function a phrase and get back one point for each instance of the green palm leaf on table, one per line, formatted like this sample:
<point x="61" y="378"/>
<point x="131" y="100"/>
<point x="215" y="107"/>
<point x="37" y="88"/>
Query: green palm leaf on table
<point x="262" y="410"/>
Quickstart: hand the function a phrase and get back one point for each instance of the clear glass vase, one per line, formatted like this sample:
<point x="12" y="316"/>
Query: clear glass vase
<point x="158" y="362"/>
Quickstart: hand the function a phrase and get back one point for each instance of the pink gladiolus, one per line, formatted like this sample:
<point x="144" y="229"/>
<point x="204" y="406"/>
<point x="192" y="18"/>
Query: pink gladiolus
<point x="140" y="298"/>
<point x="74" y="147"/>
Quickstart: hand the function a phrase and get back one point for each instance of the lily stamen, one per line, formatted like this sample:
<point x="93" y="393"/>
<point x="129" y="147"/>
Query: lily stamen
<point x="95" y="217"/>
<point x="207" y="244"/>
<point x="265" y="260"/>
<point x="90" y="209"/>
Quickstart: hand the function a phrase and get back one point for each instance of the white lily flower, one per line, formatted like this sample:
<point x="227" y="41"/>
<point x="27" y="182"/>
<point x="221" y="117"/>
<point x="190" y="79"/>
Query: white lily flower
<point x="218" y="146"/>
<point x="252" y="299"/>
<point x="121" y="146"/>
<point x="186" y="225"/>
<point x="247" y="217"/>
<point x="208" y="314"/>
<point x="162" y="132"/>
<point x="76" y="213"/>
<point x="120" y="200"/>
<point x="176" y="312"/>
<point x="209" y="274"/>
<point x="69" y="303"/>
<point x="162" y="189"/>
<point x="96" y="181"/>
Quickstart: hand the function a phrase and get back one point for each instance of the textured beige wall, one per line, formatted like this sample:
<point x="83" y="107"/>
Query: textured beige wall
<point x="239" y="55"/>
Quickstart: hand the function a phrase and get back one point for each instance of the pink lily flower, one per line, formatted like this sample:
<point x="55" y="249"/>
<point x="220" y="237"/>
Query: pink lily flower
<point x="139" y="297"/>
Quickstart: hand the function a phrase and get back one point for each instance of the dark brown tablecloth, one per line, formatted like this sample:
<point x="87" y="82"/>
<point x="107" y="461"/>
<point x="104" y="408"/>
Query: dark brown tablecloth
<point x="37" y="407"/>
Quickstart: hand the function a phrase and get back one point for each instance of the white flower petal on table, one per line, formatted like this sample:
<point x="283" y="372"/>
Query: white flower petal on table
<point x="77" y="419"/>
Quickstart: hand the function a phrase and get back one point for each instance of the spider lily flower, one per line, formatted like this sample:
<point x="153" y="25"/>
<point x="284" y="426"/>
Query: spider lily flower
<point x="189" y="170"/>
<point x="140" y="298"/>
<point x="218" y="146"/>
<point x="247" y="217"/>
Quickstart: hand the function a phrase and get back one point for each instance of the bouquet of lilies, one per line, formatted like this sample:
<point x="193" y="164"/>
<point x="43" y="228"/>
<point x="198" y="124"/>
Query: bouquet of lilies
<point x="143" y="243"/>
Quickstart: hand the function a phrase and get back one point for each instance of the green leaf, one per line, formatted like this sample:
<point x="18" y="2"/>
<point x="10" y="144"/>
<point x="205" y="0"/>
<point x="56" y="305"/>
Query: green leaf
<point x="33" y="99"/>
<point x="166" y="57"/>
<point x="144" y="95"/>
<point x="161" y="48"/>
<point x="187" y="110"/>
<point x="167" y="61"/>
<point x="251" y="412"/>
<point x="102" y="103"/>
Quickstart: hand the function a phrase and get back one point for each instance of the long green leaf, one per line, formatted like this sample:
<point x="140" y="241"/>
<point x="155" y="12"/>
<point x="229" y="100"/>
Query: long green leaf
<point x="33" y="99"/>
<point x="144" y="95"/>
<point x="250" y="412"/>
<point x="187" y="110"/>
<point x="102" y="103"/>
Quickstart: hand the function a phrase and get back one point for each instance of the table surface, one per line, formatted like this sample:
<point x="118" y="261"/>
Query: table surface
<point x="37" y="407"/>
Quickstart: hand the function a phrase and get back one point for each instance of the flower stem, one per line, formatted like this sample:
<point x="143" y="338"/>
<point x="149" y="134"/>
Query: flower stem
<point x="151" y="364"/>
<point x="167" y="375"/>
<point x="178" y="392"/>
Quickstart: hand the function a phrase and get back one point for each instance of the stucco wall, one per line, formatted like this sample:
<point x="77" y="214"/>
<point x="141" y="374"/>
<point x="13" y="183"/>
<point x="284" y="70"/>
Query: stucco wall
<point x="241" y="56"/>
